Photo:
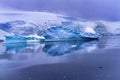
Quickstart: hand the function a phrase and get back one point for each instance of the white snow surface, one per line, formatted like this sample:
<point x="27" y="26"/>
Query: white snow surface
<point x="3" y="34"/>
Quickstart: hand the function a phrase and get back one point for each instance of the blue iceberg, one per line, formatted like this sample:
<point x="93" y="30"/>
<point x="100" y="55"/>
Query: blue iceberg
<point x="56" y="34"/>
<point x="59" y="33"/>
<point x="18" y="38"/>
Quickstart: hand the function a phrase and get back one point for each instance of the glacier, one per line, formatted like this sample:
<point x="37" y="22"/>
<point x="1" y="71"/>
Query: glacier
<point x="53" y="27"/>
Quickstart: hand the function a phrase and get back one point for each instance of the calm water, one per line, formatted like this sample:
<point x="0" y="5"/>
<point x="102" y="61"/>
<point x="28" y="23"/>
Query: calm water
<point x="74" y="60"/>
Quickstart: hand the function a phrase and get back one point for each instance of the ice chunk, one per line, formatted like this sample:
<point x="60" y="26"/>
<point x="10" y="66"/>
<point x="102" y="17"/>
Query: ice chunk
<point x="18" y="38"/>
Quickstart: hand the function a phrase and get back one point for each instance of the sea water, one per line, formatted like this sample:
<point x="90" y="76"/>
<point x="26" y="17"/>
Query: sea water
<point x="66" y="60"/>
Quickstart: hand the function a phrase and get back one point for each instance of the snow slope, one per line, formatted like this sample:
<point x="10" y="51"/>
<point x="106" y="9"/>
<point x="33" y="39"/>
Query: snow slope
<point x="3" y="34"/>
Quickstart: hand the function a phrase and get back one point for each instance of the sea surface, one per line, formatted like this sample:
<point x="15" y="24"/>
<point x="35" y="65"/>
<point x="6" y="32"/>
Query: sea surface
<point x="73" y="60"/>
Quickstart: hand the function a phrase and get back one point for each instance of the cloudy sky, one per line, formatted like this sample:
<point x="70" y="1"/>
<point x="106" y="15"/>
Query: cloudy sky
<point x="88" y="9"/>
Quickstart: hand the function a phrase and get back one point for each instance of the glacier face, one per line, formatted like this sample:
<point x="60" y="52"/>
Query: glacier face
<point x="53" y="26"/>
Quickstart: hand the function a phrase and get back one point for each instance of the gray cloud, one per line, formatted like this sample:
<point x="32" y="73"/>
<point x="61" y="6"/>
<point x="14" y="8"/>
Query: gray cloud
<point x="88" y="9"/>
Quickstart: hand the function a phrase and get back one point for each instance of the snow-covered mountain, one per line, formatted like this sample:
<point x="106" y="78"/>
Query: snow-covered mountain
<point x="53" y="25"/>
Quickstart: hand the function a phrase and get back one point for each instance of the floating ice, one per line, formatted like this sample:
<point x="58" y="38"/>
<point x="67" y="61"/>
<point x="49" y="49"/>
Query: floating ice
<point x="18" y="38"/>
<point x="62" y="33"/>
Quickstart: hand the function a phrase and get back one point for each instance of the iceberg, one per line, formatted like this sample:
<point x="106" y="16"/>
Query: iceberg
<point x="59" y="33"/>
<point x="56" y="33"/>
<point x="17" y="38"/>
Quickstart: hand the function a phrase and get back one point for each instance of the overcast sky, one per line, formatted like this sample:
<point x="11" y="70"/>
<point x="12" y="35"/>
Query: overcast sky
<point x="88" y="9"/>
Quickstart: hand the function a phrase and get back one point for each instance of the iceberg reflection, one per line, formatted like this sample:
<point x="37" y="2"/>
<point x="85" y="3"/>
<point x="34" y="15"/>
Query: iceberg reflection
<point x="17" y="47"/>
<point x="19" y="55"/>
<point x="51" y="48"/>
<point x="61" y="48"/>
<point x="26" y="51"/>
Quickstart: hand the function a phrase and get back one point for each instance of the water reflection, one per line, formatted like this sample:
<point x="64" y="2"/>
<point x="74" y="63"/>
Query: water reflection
<point x="28" y="51"/>
<point x="27" y="54"/>
<point x="17" y="47"/>
<point x="51" y="48"/>
<point x="23" y="59"/>
<point x="24" y="51"/>
<point x="62" y="48"/>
